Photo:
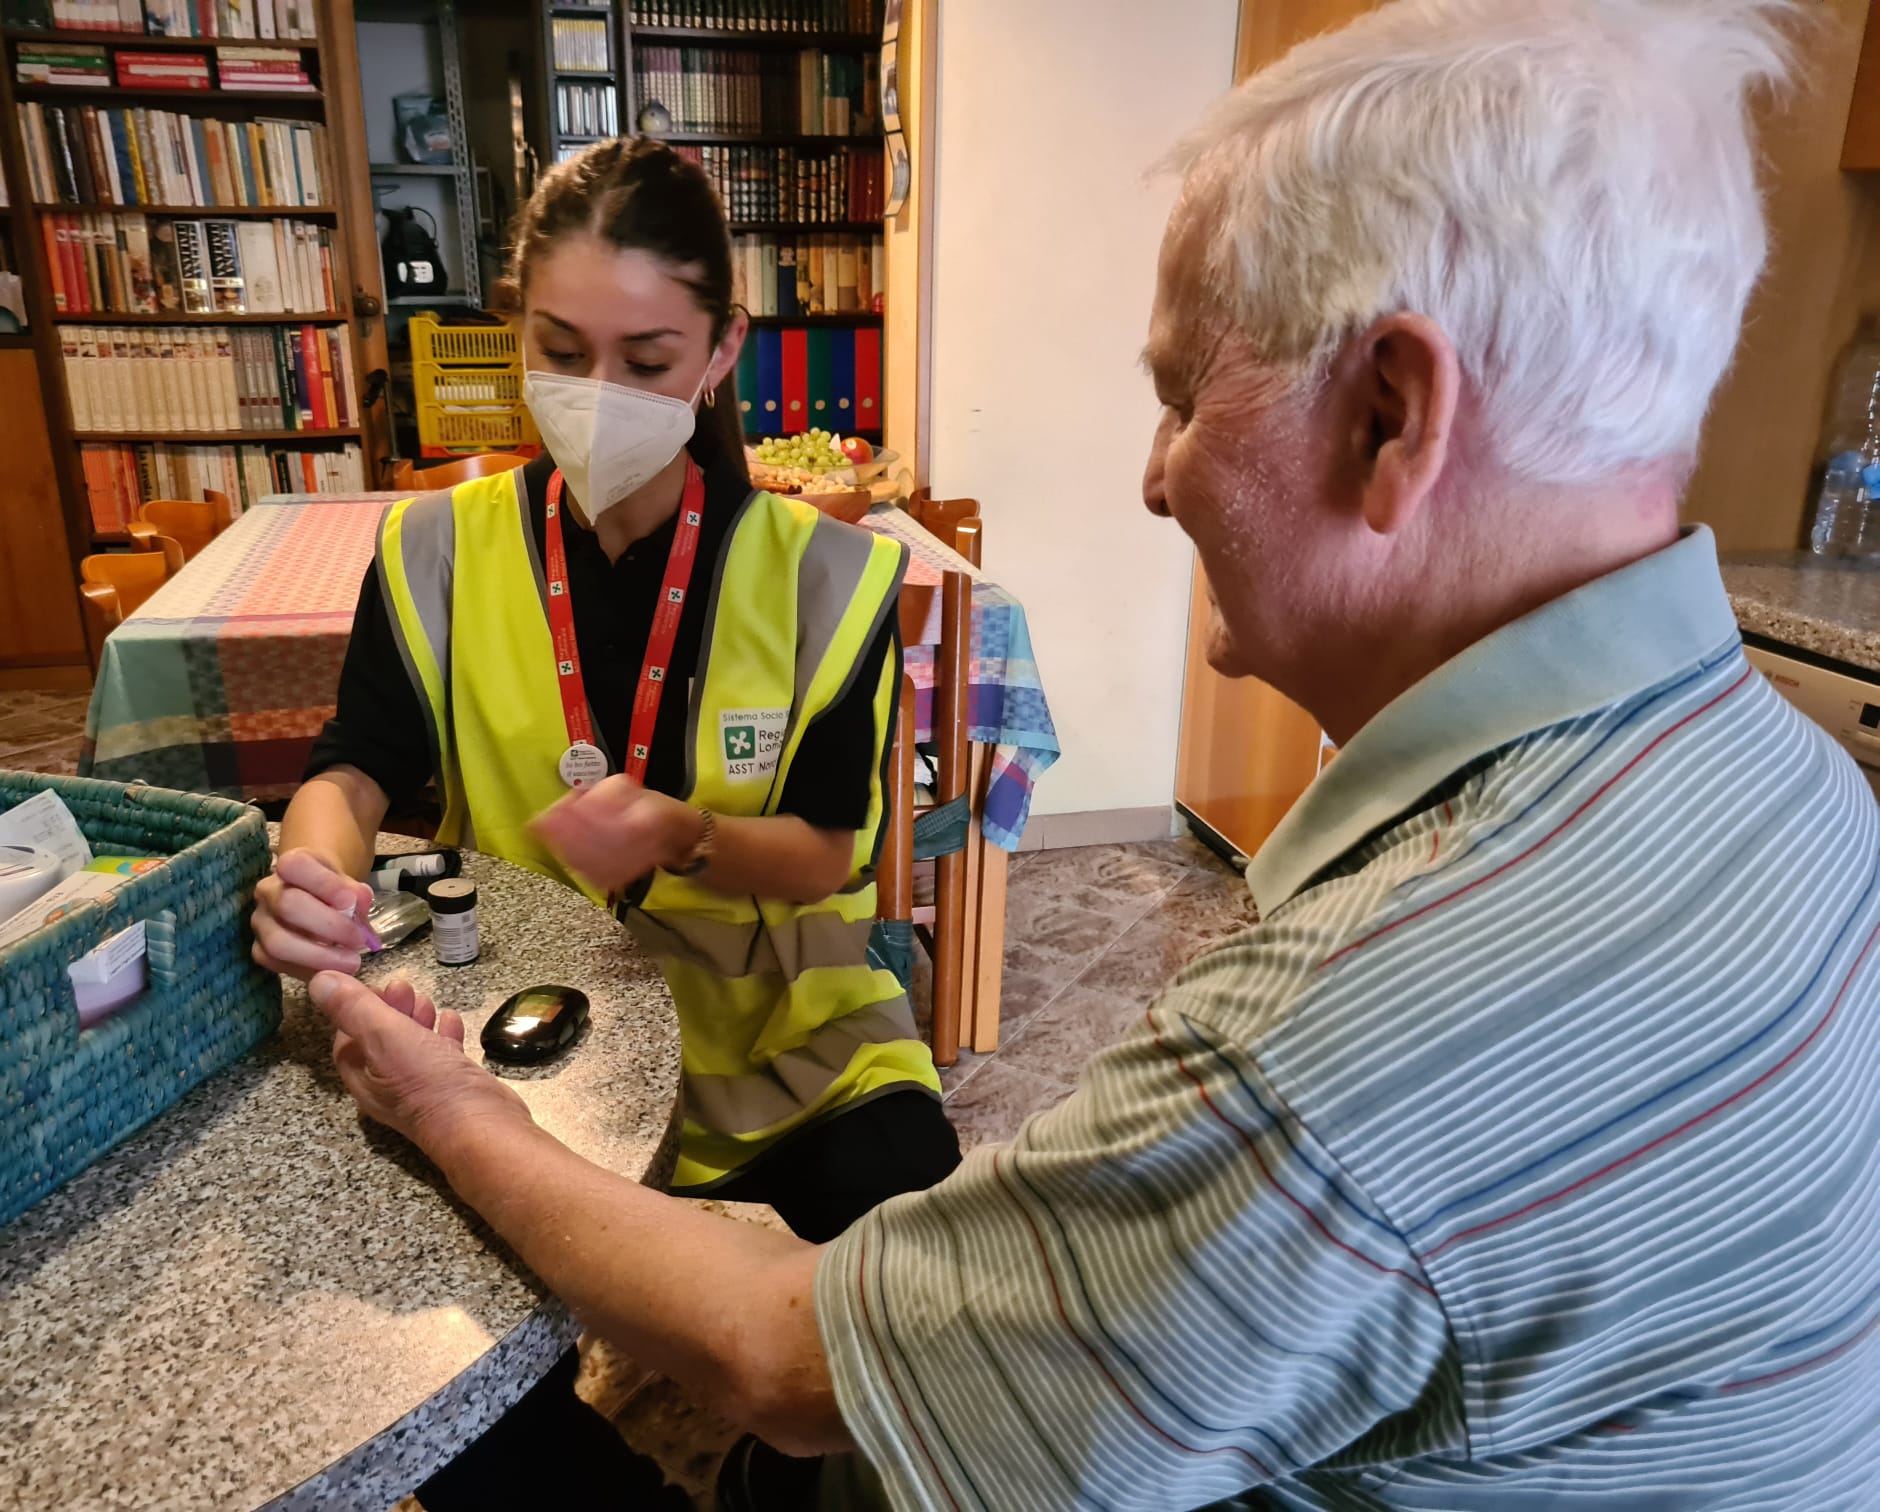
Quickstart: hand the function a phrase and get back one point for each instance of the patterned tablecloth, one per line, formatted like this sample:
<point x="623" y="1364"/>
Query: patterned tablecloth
<point x="221" y="682"/>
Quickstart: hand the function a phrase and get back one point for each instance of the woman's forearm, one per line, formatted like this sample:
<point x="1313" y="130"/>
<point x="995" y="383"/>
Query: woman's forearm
<point x="779" y="857"/>
<point x="337" y="817"/>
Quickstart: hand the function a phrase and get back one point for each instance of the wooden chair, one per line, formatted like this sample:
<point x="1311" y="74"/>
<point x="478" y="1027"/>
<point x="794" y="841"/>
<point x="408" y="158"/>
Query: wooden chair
<point x="191" y="523"/>
<point x="129" y="578"/>
<point x="902" y="844"/>
<point x="406" y="475"/>
<point x="953" y="522"/>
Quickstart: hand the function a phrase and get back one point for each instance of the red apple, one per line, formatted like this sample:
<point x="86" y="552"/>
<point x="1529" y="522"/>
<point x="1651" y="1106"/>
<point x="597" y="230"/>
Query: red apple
<point x="857" y="451"/>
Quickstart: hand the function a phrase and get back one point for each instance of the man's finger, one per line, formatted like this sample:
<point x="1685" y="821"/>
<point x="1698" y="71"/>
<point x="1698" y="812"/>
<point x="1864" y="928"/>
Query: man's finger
<point x="356" y="1010"/>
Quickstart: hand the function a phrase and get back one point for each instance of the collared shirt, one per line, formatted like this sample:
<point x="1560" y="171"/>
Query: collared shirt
<point x="381" y="728"/>
<point x="1527" y="1154"/>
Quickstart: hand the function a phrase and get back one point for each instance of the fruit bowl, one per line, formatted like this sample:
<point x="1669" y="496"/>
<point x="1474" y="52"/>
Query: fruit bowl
<point x="845" y="504"/>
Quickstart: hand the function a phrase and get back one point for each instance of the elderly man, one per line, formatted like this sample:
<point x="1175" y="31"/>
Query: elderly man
<point x="1525" y="1155"/>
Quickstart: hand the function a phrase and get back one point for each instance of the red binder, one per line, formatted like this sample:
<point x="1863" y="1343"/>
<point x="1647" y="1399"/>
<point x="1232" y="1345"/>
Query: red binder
<point x="868" y="378"/>
<point x="795" y="381"/>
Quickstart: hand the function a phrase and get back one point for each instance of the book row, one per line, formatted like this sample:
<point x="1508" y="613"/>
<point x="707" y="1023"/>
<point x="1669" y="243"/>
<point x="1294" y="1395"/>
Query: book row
<point x="793" y="381"/>
<point x="125" y="264"/>
<point x="93" y="155"/>
<point x="785" y="184"/>
<point x="121" y="478"/>
<point x="590" y="110"/>
<point x="209" y="378"/>
<point x="75" y="65"/>
<point x="256" y="20"/>
<point x="714" y="89"/>
<point x="808" y="275"/>
<point x="852" y="16"/>
<point x="581" y="46"/>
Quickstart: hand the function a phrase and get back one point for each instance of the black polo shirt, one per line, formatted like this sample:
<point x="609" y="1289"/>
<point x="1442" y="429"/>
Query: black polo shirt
<point x="380" y="726"/>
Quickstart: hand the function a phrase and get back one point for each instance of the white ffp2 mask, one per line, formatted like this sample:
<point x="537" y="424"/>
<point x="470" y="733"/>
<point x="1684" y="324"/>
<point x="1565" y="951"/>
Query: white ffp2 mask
<point x="607" y="440"/>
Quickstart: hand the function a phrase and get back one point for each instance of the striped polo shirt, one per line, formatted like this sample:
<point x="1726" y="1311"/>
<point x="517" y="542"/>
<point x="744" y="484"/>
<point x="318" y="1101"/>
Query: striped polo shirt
<point x="1524" y="1156"/>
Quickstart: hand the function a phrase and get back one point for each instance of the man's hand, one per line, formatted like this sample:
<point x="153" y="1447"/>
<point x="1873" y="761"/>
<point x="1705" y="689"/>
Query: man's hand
<point x="616" y="832"/>
<point x="309" y="917"/>
<point x="403" y="1062"/>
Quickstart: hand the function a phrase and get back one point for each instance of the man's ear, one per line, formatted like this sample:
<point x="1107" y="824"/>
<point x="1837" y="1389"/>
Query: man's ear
<point x="1409" y="384"/>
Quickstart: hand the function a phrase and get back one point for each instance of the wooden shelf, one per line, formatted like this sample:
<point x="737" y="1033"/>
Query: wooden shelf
<point x="762" y="139"/>
<point x="142" y="41"/>
<point x="755" y="40"/>
<point x="850" y="318"/>
<point x="16" y="341"/>
<point x="422" y="301"/>
<point x="215" y="438"/>
<point x="109" y="317"/>
<point x="797" y="228"/>
<point x="412" y="170"/>
<point x="72" y="94"/>
<point x="197" y="212"/>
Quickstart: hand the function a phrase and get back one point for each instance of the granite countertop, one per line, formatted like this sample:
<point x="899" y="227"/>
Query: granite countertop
<point x="1828" y="605"/>
<point x="259" y="1300"/>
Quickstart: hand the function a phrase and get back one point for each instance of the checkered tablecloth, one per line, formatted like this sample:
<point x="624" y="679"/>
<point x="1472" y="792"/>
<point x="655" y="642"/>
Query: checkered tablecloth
<point x="221" y="682"/>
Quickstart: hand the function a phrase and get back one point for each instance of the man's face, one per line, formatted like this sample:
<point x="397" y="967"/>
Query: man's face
<point x="1238" y="463"/>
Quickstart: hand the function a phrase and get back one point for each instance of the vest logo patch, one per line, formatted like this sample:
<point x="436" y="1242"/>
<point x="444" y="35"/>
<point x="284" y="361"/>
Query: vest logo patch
<point x="752" y="740"/>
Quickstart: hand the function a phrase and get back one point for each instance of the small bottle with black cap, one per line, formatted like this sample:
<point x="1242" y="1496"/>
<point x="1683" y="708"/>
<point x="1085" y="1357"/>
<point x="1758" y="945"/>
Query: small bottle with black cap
<point x="454" y="921"/>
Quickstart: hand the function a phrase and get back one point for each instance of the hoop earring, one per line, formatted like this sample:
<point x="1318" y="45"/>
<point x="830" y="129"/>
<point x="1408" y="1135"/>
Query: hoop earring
<point x="711" y="398"/>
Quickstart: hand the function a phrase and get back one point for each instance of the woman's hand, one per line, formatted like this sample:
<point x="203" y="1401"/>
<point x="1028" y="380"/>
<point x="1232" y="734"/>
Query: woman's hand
<point x="310" y="917"/>
<point x="403" y="1062"/>
<point x="615" y="832"/>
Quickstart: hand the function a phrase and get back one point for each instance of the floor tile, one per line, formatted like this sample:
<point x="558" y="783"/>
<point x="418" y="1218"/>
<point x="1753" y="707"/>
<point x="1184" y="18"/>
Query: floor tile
<point x="997" y="1099"/>
<point x="60" y="759"/>
<point x="1083" y="1020"/>
<point x="1119" y="872"/>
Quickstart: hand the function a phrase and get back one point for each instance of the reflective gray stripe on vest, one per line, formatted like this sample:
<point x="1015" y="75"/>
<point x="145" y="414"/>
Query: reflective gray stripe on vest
<point x="428" y="548"/>
<point x="802" y="943"/>
<point x="797" y="1078"/>
<point x="833" y="565"/>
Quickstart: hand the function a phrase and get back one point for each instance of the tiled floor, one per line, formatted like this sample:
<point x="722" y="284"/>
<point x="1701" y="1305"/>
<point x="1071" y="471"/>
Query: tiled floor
<point x="40" y="732"/>
<point x="1092" y="935"/>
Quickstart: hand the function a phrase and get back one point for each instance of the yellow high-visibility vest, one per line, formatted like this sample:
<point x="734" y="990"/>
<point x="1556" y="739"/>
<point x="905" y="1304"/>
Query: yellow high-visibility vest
<point x="782" y="1020"/>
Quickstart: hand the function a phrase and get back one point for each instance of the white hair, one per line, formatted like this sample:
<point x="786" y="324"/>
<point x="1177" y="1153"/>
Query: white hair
<point x="1567" y="187"/>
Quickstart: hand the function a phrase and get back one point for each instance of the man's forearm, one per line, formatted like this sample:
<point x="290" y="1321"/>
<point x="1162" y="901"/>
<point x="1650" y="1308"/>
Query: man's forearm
<point x="724" y="1308"/>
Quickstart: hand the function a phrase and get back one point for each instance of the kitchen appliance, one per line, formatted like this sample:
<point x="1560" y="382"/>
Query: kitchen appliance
<point x="1843" y="699"/>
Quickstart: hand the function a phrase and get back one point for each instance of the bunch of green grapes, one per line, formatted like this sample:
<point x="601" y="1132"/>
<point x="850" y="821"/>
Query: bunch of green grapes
<point x="813" y="450"/>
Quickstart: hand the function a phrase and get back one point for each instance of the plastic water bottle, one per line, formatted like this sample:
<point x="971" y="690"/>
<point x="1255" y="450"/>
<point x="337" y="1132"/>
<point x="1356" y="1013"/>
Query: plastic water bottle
<point x="1841" y="509"/>
<point x="1846" y="519"/>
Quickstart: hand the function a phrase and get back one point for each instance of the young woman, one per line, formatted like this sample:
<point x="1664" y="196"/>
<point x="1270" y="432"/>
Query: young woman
<point x="625" y="669"/>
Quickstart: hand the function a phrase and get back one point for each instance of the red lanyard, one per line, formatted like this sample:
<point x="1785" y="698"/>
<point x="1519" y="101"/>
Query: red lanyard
<point x="659" y="641"/>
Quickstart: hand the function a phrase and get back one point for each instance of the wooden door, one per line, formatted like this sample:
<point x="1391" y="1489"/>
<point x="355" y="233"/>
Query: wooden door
<point x="42" y="638"/>
<point x="1247" y="753"/>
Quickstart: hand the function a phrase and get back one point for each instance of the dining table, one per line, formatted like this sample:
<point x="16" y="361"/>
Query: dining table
<point x="260" y="1301"/>
<point x="222" y="680"/>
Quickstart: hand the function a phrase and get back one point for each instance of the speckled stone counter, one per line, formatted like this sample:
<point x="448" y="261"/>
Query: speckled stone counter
<point x="1827" y="605"/>
<point x="258" y="1301"/>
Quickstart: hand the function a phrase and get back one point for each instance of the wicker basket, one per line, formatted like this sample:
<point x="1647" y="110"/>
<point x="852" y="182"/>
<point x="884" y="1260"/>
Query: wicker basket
<point x="66" y="1097"/>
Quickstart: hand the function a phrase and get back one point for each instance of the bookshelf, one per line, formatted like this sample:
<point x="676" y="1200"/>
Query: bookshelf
<point x="779" y="102"/>
<point x="581" y="63"/>
<point x="103" y="313"/>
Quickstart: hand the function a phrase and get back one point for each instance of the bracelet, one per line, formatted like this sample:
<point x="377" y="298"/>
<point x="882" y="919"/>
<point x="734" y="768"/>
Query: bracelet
<point x="700" y="856"/>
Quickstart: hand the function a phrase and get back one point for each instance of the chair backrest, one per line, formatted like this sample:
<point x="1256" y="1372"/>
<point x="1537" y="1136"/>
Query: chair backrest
<point x="190" y="523"/>
<point x="135" y="574"/>
<point x="953" y="522"/>
<point x="405" y="475"/>
<point x="223" y="509"/>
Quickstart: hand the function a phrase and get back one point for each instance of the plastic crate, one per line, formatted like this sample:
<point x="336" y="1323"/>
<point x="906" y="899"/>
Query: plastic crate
<point x="68" y="1095"/>
<point x="476" y="345"/>
<point x="462" y="431"/>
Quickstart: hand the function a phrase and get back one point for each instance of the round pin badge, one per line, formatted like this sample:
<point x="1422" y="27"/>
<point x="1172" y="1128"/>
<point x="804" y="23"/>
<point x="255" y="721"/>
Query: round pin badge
<point x="583" y="765"/>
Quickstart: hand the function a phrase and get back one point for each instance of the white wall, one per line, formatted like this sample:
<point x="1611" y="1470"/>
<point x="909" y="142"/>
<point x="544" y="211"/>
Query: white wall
<point x="1050" y="114"/>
